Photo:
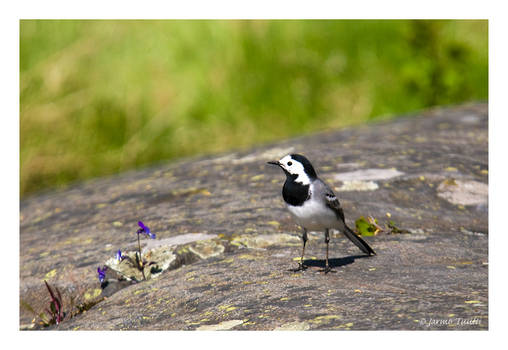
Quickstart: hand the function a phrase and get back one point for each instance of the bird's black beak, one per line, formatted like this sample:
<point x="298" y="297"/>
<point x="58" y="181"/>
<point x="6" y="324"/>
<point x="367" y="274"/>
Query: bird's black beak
<point x="274" y="162"/>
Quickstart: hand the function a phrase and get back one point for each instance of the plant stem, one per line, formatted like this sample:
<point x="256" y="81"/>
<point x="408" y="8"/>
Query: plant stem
<point x="140" y="263"/>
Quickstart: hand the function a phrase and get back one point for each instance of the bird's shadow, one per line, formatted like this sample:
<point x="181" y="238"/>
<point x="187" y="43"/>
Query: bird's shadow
<point x="335" y="262"/>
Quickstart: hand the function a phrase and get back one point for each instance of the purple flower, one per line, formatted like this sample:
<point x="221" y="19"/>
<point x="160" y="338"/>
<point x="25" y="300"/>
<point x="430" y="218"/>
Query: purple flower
<point x="145" y="230"/>
<point x="102" y="273"/>
<point x="119" y="255"/>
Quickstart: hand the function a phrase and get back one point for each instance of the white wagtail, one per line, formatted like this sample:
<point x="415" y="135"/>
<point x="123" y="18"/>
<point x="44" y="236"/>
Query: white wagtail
<point x="313" y="204"/>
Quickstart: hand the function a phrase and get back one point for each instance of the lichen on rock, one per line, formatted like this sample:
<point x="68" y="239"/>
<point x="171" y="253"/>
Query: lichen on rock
<point x="225" y="325"/>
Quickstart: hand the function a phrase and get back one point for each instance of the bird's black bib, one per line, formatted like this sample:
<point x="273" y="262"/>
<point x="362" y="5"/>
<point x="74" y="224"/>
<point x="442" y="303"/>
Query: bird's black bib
<point x="294" y="193"/>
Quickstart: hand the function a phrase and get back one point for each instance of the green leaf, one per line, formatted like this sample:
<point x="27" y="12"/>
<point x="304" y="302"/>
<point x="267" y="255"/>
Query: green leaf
<point x="53" y="308"/>
<point x="364" y="228"/>
<point x="44" y="318"/>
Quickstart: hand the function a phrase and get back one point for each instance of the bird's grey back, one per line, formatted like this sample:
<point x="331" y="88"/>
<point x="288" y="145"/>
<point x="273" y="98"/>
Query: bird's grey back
<point x="323" y="192"/>
<point x="322" y="189"/>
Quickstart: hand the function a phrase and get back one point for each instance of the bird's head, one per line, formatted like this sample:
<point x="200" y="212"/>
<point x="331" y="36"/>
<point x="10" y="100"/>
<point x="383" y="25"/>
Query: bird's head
<point x="297" y="167"/>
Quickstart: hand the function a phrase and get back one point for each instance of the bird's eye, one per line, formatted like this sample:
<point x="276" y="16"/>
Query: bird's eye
<point x="290" y="163"/>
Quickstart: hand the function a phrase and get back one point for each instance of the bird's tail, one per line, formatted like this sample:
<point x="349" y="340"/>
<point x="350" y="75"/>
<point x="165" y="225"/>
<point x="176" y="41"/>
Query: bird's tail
<point x="358" y="241"/>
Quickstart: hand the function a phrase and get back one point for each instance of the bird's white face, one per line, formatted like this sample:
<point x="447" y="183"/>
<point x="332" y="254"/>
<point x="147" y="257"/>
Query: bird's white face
<point x="294" y="167"/>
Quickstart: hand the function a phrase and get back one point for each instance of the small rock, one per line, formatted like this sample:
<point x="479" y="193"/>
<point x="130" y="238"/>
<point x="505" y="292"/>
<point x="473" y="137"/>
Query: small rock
<point x="417" y="231"/>
<point x="463" y="192"/>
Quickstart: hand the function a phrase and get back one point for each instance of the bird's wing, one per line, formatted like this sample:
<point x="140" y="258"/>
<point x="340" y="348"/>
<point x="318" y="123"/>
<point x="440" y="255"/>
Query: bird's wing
<point x="333" y="203"/>
<point x="330" y="199"/>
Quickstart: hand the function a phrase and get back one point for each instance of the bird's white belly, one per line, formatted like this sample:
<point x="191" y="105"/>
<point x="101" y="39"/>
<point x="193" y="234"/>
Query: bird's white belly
<point x="314" y="216"/>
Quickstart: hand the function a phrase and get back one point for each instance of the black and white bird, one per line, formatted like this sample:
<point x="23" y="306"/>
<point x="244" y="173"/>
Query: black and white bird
<point x="313" y="204"/>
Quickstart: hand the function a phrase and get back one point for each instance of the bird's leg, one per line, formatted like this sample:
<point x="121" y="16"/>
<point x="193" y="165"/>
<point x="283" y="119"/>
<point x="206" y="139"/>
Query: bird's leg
<point x="301" y="266"/>
<point x="304" y="239"/>
<point x="327" y="241"/>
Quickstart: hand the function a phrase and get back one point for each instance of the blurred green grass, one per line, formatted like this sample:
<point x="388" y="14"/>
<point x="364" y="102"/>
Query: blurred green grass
<point x="99" y="97"/>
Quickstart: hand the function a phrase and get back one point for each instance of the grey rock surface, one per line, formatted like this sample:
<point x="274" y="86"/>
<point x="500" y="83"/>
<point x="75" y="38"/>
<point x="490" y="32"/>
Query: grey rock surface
<point x="228" y="242"/>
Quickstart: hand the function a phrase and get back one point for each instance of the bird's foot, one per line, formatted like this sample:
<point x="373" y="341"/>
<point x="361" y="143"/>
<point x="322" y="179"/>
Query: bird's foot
<point x="301" y="267"/>
<point x="327" y="269"/>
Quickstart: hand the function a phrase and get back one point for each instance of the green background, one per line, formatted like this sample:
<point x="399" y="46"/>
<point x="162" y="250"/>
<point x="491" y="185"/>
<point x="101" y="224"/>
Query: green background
<point x="99" y="97"/>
